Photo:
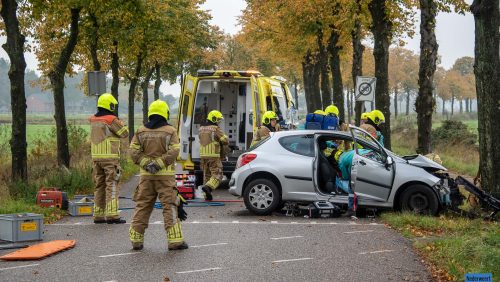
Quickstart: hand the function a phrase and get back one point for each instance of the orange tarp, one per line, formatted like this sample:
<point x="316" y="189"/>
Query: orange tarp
<point x="41" y="250"/>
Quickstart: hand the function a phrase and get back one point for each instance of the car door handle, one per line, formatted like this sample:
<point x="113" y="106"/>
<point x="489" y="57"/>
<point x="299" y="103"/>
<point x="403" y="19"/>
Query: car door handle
<point x="362" y="162"/>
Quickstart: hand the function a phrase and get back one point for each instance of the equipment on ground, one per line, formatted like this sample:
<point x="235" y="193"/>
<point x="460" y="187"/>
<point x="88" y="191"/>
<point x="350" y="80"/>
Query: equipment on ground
<point x="49" y="197"/>
<point x="40" y="251"/>
<point x="82" y="207"/>
<point x="21" y="227"/>
<point x="487" y="200"/>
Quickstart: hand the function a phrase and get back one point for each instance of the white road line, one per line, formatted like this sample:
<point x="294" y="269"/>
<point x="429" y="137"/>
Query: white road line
<point x="287" y="260"/>
<point x="199" y="270"/>
<point x="118" y="255"/>
<point x="208" y="245"/>
<point x="235" y="221"/>
<point x="274" y="221"/>
<point x="21" y="266"/>
<point x="360" y="231"/>
<point x="290" y="237"/>
<point x="376" y="252"/>
<point x="239" y="222"/>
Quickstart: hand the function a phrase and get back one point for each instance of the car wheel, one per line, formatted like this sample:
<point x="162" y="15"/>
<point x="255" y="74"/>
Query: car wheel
<point x="419" y="199"/>
<point x="261" y="196"/>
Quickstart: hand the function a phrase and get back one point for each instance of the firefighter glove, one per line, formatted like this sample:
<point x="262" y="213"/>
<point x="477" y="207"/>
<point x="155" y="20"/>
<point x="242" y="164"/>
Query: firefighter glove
<point x="152" y="167"/>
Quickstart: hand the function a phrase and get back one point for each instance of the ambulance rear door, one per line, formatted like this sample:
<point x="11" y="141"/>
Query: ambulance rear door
<point x="185" y="117"/>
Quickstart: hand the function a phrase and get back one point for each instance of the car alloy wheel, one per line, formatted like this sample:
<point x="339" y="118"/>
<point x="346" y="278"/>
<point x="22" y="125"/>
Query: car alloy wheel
<point x="261" y="196"/>
<point x="420" y="199"/>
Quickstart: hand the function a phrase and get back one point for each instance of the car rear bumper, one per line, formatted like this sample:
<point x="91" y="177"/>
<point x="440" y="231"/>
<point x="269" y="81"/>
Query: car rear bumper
<point x="238" y="179"/>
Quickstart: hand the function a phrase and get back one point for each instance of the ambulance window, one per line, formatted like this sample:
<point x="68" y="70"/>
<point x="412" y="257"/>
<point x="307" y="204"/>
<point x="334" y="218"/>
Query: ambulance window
<point x="269" y="104"/>
<point x="284" y="93"/>
<point x="277" y="107"/>
<point x="201" y="108"/>
<point x="185" y="108"/>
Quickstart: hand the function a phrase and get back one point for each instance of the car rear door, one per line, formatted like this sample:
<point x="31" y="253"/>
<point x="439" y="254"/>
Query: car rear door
<point x="371" y="176"/>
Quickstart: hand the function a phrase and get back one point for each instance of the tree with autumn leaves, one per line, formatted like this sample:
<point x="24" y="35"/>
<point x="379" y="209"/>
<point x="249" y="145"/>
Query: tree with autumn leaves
<point x="132" y="39"/>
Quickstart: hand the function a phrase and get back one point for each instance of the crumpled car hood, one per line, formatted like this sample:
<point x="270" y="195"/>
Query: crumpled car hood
<point x="423" y="162"/>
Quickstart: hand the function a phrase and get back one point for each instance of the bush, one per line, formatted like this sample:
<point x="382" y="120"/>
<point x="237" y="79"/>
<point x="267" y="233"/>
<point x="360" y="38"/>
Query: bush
<point x="453" y="132"/>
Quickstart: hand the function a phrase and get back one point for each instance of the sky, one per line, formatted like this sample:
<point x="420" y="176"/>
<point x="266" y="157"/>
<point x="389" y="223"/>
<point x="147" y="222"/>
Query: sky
<point x="454" y="32"/>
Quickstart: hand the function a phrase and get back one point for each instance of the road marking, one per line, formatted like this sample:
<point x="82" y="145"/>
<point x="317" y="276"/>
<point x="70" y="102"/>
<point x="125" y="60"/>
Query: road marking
<point x="199" y="270"/>
<point x="208" y="245"/>
<point x="290" y="237"/>
<point x="117" y="255"/>
<point x="287" y="260"/>
<point x="376" y="252"/>
<point x="274" y="221"/>
<point x="238" y="222"/>
<point x="235" y="221"/>
<point x="360" y="231"/>
<point x="21" y="266"/>
<point x="111" y="281"/>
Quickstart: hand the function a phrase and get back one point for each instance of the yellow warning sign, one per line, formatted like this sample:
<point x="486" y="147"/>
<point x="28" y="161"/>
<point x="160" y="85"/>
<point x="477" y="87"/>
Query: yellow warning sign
<point x="28" y="226"/>
<point x="84" y="210"/>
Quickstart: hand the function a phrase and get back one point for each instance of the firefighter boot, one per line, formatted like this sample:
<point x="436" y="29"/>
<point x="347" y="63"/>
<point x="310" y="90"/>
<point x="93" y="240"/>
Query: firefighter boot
<point x="175" y="238"/>
<point x="137" y="239"/>
<point x="208" y="192"/>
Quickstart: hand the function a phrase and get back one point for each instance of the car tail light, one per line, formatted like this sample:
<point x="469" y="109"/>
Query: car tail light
<point x="244" y="159"/>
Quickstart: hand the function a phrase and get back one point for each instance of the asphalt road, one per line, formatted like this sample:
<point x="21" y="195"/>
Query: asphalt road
<point x="226" y="244"/>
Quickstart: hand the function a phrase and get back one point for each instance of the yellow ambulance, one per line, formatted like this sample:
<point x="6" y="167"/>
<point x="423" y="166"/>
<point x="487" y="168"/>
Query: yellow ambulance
<point x="242" y="97"/>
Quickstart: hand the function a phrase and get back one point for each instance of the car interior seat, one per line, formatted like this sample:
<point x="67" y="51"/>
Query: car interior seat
<point x="326" y="173"/>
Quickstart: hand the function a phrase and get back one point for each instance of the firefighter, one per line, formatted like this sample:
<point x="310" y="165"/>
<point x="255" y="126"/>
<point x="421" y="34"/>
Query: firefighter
<point x="106" y="131"/>
<point x="211" y="140"/>
<point x="155" y="148"/>
<point x="374" y="119"/>
<point x="364" y="118"/>
<point x="269" y="121"/>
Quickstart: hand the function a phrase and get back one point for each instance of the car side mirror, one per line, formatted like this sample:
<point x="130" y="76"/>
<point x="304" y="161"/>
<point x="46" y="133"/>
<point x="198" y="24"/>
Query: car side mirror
<point x="389" y="161"/>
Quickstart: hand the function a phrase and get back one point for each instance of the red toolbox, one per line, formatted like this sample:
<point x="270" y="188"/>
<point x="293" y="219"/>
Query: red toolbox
<point x="185" y="185"/>
<point x="51" y="197"/>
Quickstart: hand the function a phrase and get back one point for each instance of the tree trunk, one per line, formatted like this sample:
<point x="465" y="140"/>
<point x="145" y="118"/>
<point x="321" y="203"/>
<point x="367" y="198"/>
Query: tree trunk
<point x="382" y="33"/>
<point x="145" y="97"/>
<point x="115" y="72"/>
<point x="452" y="104"/>
<point x="408" y="98"/>
<point x="326" y="95"/>
<point x="396" y="101"/>
<point x="296" y="94"/>
<point x="338" y="87"/>
<point x="348" y="102"/>
<point x="357" y="58"/>
<point x="131" y="94"/>
<point x="56" y="76"/>
<point x="157" y="81"/>
<point x="15" y="50"/>
<point x="307" y="71"/>
<point x="487" y="71"/>
<point x="93" y="42"/>
<point x="444" y="107"/>
<point x="467" y="107"/>
<point x="428" y="55"/>
<point x="461" y="101"/>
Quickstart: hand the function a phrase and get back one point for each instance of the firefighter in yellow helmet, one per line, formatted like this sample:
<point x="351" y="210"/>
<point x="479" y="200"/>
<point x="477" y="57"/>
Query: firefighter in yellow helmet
<point x="364" y="118"/>
<point x="269" y="121"/>
<point x="105" y="134"/>
<point x="374" y="119"/>
<point x="155" y="148"/>
<point x="211" y="141"/>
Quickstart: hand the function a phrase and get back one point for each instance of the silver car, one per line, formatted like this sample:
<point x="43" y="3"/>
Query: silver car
<point x="290" y="166"/>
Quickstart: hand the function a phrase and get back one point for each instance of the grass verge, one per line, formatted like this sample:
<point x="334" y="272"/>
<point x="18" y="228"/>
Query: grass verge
<point x="451" y="246"/>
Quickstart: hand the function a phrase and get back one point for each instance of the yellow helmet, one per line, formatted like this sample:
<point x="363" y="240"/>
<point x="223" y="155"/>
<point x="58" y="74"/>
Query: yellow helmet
<point x="377" y="117"/>
<point x="215" y="116"/>
<point x="332" y="110"/>
<point x="107" y="101"/>
<point x="160" y="108"/>
<point x="319" y="112"/>
<point x="268" y="116"/>
<point x="364" y="116"/>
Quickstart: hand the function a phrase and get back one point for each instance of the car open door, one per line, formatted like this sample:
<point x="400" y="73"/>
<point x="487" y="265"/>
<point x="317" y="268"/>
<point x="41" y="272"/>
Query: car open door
<point x="185" y="116"/>
<point x="255" y="110"/>
<point x="372" y="171"/>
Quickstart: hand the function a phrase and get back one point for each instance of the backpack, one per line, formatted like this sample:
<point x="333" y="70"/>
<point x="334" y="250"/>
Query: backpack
<point x="314" y="121"/>
<point x="330" y="122"/>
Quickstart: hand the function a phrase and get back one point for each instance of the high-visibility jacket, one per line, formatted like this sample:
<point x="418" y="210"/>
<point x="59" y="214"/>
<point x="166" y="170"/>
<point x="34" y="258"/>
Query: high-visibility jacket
<point x="160" y="145"/>
<point x="105" y="134"/>
<point x="211" y="139"/>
